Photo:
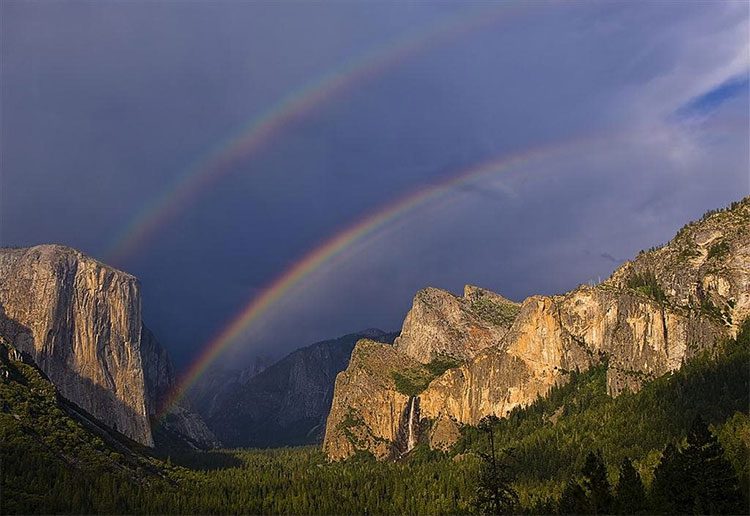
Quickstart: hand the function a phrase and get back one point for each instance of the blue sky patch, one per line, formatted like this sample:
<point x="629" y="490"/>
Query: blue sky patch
<point x="712" y="99"/>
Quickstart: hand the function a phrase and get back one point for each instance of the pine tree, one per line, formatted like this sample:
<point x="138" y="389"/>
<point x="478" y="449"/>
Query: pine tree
<point x="573" y="499"/>
<point x="630" y="496"/>
<point x="596" y="484"/>
<point x="717" y="489"/>
<point x="672" y="488"/>
<point x="495" y="493"/>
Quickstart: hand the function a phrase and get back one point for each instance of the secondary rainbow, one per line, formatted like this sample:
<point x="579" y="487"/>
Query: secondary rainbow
<point x="260" y="131"/>
<point x="336" y="245"/>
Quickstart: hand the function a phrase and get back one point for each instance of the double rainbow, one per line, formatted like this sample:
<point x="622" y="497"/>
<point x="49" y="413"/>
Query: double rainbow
<point x="261" y="130"/>
<point x="335" y="246"/>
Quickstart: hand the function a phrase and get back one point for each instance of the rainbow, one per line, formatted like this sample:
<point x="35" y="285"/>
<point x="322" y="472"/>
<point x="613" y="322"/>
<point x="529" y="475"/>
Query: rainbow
<point x="261" y="129"/>
<point x="335" y="246"/>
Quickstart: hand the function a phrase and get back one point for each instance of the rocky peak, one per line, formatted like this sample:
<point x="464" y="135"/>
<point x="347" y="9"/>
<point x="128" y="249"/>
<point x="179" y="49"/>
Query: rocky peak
<point x="442" y="324"/>
<point x="653" y="314"/>
<point x="285" y="404"/>
<point x="703" y="268"/>
<point x="368" y="408"/>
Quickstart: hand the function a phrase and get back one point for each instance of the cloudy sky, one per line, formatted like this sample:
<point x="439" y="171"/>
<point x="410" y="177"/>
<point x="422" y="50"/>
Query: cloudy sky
<point x="209" y="147"/>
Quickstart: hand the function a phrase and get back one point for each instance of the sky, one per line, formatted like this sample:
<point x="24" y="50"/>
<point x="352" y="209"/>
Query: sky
<point x="208" y="147"/>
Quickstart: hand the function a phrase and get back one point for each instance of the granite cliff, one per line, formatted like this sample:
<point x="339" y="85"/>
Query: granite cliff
<point x="653" y="314"/>
<point x="80" y="322"/>
<point x="286" y="403"/>
<point x="181" y="423"/>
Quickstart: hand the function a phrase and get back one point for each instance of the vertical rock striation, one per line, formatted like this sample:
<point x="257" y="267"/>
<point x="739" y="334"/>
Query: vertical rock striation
<point x="288" y="402"/>
<point x="80" y="320"/>
<point x="647" y="319"/>
<point x="180" y="422"/>
<point x="368" y="408"/>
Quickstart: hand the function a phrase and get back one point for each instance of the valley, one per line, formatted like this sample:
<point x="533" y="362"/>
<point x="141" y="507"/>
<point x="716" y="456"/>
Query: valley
<point x="583" y="396"/>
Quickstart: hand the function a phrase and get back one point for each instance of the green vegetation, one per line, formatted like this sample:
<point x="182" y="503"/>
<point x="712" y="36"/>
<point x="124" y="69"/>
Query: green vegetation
<point x="412" y="382"/>
<point x="718" y="249"/>
<point x="52" y="461"/>
<point x="351" y="420"/>
<point x="692" y="479"/>
<point x="441" y="364"/>
<point x="574" y="450"/>
<point x="647" y="284"/>
<point x="696" y="478"/>
<point x="710" y="309"/>
<point x="498" y="313"/>
<point x="635" y="426"/>
<point x="495" y="491"/>
<point x="630" y="494"/>
<point x="735" y="209"/>
<point x="727" y="209"/>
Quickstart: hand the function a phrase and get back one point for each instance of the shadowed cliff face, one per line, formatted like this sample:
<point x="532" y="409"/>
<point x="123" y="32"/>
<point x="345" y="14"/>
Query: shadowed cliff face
<point x="80" y="322"/>
<point x="285" y="404"/>
<point x="648" y="318"/>
<point x="84" y="327"/>
<point x="180" y="423"/>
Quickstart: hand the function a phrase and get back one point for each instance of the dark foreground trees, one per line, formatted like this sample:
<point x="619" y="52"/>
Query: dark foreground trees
<point x="630" y="495"/>
<point x="50" y="464"/>
<point x="591" y="493"/>
<point x="697" y="478"/>
<point x="495" y="492"/>
<point x="693" y="479"/>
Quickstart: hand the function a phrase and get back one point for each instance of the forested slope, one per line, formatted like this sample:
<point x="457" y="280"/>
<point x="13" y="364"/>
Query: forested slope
<point x="54" y="463"/>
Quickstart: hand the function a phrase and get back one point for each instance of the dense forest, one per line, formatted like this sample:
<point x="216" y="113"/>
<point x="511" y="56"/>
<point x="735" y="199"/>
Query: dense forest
<point x="679" y="445"/>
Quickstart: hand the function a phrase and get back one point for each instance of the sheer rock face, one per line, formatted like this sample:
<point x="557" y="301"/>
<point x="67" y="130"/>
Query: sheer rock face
<point x="285" y="404"/>
<point x="81" y="322"/>
<point x="158" y="371"/>
<point x="440" y="323"/>
<point x="159" y="377"/>
<point x="189" y="428"/>
<point x="367" y="408"/>
<point x="649" y="317"/>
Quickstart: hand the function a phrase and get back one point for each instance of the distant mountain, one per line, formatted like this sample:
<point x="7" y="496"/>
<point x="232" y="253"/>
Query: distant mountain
<point x="285" y="404"/>
<point x="459" y="359"/>
<point x="213" y="385"/>
<point x="676" y="310"/>
<point x="79" y="320"/>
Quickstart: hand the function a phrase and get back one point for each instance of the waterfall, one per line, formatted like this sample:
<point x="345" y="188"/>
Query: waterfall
<point x="411" y="442"/>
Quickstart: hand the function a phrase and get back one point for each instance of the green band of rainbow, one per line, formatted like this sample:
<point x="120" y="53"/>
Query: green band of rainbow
<point x="337" y="244"/>
<point x="262" y="129"/>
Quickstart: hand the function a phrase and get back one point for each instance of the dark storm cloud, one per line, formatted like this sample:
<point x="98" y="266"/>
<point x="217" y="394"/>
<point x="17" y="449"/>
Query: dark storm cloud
<point x="105" y="105"/>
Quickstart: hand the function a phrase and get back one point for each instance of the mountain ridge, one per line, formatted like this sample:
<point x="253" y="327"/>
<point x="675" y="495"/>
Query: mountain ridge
<point x="651" y="315"/>
<point x="286" y="403"/>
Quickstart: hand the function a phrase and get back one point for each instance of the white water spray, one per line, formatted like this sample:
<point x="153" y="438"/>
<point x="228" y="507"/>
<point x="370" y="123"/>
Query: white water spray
<point x="412" y="438"/>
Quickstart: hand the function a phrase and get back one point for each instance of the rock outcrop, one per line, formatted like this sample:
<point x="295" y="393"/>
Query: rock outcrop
<point x="368" y="410"/>
<point x="80" y="322"/>
<point x="648" y="318"/>
<point x="441" y="324"/>
<point x="180" y="422"/>
<point x="286" y="403"/>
